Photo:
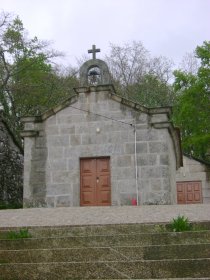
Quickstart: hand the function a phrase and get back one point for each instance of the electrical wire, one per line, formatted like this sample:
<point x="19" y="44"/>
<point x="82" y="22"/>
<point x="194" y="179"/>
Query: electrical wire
<point x="106" y="117"/>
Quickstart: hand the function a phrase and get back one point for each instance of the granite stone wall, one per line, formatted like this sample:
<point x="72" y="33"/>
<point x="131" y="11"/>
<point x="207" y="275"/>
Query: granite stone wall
<point x="11" y="168"/>
<point x="96" y="124"/>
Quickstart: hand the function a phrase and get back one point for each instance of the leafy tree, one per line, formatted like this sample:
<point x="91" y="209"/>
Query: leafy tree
<point x="192" y="108"/>
<point x="28" y="82"/>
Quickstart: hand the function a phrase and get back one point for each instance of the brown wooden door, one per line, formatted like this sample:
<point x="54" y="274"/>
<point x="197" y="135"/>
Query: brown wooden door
<point x="95" y="189"/>
<point x="189" y="192"/>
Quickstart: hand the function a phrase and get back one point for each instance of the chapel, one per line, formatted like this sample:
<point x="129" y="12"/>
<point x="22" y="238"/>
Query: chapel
<point x="100" y="149"/>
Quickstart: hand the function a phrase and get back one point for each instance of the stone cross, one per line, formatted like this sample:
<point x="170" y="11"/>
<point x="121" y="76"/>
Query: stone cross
<point x="94" y="51"/>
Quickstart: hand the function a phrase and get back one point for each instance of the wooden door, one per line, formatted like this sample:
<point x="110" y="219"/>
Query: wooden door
<point x="95" y="188"/>
<point x="189" y="192"/>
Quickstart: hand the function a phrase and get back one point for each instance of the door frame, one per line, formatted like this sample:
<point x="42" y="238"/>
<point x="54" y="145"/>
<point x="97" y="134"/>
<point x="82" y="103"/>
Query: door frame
<point x="189" y="181"/>
<point x="97" y="157"/>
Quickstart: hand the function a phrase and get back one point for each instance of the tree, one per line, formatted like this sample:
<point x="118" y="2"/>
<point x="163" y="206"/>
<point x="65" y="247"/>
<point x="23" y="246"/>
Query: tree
<point x="192" y="108"/>
<point x="28" y="82"/>
<point x="190" y="63"/>
<point x="152" y="92"/>
<point x="140" y="77"/>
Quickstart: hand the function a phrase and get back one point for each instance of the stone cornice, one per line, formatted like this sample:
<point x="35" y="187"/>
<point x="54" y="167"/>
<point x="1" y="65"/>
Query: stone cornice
<point x="105" y="88"/>
<point x="29" y="133"/>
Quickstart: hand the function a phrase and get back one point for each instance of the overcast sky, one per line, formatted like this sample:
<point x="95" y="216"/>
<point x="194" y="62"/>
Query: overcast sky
<point x="165" y="27"/>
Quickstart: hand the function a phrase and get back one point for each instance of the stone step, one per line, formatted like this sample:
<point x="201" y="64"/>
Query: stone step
<point x="199" y="268"/>
<point x="106" y="254"/>
<point x="99" y="229"/>
<point x="108" y="229"/>
<point x="193" y="237"/>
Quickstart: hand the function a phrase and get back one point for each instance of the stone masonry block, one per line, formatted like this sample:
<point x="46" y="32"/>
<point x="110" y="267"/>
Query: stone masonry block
<point x="142" y="118"/>
<point x="75" y="140"/>
<point x="129" y="148"/>
<point x="114" y="106"/>
<point x="39" y="153"/>
<point x="40" y="142"/>
<point x="38" y="165"/>
<point x="60" y="177"/>
<point x="142" y="135"/>
<point x="156" y="184"/>
<point x="164" y="159"/>
<point x="158" y="147"/>
<point x="146" y="159"/>
<point x="144" y="184"/>
<point x="55" y="153"/>
<point x="109" y="149"/>
<point x="63" y="201"/>
<point x="29" y="126"/>
<point x="141" y="147"/>
<point x="119" y="173"/>
<point x="73" y="164"/>
<point x="58" y="141"/>
<point x="124" y="160"/>
<point x="127" y="185"/>
<point x="58" y="164"/>
<point x="159" y="118"/>
<point x="114" y="137"/>
<point x="88" y="140"/>
<point x="38" y="190"/>
<point x="101" y="138"/>
<point x="50" y="201"/>
<point x="127" y="135"/>
<point x="59" y="189"/>
<point x="166" y="184"/>
<point x="52" y="130"/>
<point x="164" y="170"/>
<point x="147" y="135"/>
<point x="82" y="128"/>
<point x="67" y="130"/>
<point x="51" y="121"/>
<point x="154" y="172"/>
<point x="151" y="172"/>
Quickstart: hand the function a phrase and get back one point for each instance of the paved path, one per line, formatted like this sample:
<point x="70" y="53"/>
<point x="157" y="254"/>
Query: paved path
<point x="101" y="215"/>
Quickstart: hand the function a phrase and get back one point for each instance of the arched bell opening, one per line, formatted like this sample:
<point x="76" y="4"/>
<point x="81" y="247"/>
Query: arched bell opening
<point x="94" y="75"/>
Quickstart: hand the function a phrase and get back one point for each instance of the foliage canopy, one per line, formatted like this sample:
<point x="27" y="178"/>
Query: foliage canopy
<point x="192" y="108"/>
<point x="29" y="84"/>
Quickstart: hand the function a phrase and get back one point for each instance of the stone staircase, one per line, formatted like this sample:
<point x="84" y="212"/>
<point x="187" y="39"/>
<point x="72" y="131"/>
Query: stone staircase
<point x="129" y="251"/>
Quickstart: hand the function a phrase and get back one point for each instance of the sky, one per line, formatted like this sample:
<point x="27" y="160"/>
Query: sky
<point x="169" y="28"/>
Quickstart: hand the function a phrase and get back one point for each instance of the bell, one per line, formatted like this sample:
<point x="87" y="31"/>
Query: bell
<point x="93" y="73"/>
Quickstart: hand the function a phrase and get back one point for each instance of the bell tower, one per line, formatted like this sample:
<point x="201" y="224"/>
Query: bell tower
<point x="94" y="71"/>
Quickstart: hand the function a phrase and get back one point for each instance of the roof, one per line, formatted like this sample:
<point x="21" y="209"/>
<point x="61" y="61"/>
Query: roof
<point x="197" y="159"/>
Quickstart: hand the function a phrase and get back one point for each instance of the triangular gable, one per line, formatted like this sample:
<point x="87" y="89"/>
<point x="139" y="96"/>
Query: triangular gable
<point x="154" y="121"/>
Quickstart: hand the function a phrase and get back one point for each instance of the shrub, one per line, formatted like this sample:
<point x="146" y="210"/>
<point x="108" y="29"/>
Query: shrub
<point x="180" y="224"/>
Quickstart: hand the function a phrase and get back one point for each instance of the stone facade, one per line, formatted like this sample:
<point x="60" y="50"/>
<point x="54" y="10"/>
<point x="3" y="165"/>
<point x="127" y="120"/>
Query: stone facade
<point x="11" y="166"/>
<point x="143" y="146"/>
<point x="195" y="170"/>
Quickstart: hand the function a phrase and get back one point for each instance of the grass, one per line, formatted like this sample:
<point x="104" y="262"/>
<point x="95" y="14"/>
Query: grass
<point x="22" y="233"/>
